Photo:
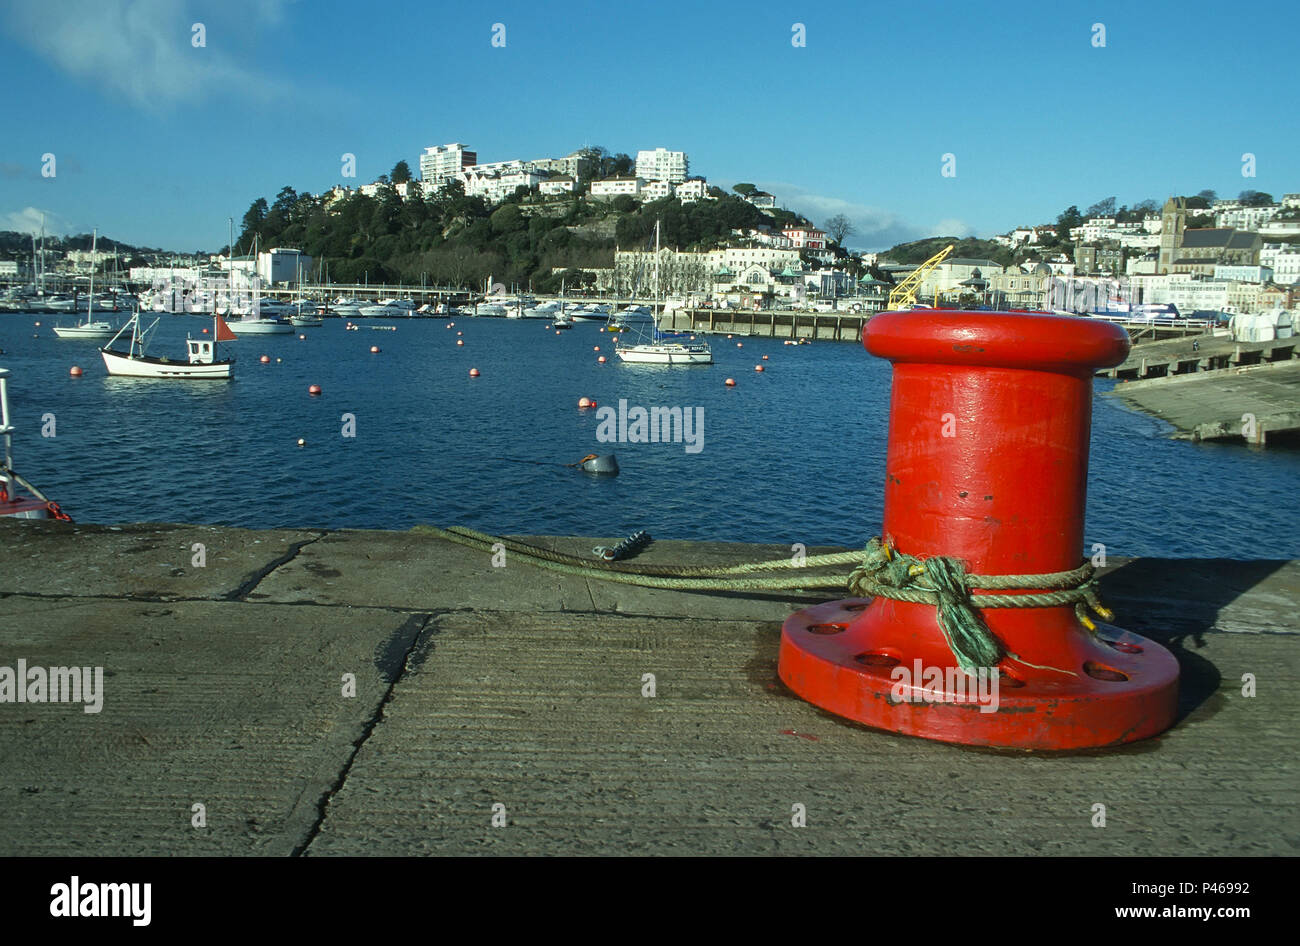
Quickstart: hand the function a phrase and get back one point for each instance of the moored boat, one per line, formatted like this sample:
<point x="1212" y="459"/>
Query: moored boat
<point x="14" y="503"/>
<point x="203" y="363"/>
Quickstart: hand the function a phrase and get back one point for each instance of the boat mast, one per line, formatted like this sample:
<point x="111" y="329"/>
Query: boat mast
<point x="90" y="303"/>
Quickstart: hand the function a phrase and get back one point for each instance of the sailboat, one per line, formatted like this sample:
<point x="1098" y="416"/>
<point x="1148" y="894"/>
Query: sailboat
<point x="660" y="350"/>
<point x="260" y="319"/>
<point x="202" y="364"/>
<point x="88" y="328"/>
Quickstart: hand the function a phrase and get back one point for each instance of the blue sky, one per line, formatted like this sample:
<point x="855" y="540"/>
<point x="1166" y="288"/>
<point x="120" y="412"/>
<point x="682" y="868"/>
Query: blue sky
<point x="158" y="142"/>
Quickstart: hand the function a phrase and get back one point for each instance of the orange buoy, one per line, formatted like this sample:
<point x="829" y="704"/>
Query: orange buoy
<point x="460" y="333"/>
<point x="730" y="382"/>
<point x="205" y="331"/>
<point x="38" y="324"/>
<point x="374" y="349"/>
<point x="314" y="390"/>
<point x="460" y="341"/>
<point x="600" y="360"/>
<point x="740" y="344"/>
<point x="728" y="336"/>
<point x="301" y="442"/>
<point x="584" y="402"/>
<point x="473" y="372"/>
<point x="278" y="360"/>
<point x="765" y="357"/>
<point x="614" y="339"/>
<point x="595" y="348"/>
<point x="302" y="338"/>
<point x="758" y="367"/>
<point x="75" y="372"/>
<point x="265" y="359"/>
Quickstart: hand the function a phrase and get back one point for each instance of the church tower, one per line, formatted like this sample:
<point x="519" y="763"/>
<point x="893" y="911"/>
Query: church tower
<point x="1173" y="219"/>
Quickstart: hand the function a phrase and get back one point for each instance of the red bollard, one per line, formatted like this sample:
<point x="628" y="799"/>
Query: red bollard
<point x="990" y="416"/>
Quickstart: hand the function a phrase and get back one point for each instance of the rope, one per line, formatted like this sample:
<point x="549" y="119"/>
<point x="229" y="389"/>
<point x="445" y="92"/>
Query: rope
<point x="880" y="571"/>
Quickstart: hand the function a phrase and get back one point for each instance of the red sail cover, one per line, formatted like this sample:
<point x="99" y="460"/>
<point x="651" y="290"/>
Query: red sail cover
<point x="224" y="334"/>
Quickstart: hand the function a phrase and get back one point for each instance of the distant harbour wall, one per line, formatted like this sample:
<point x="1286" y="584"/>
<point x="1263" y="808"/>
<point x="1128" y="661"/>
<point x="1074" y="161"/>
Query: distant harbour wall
<point x="814" y="326"/>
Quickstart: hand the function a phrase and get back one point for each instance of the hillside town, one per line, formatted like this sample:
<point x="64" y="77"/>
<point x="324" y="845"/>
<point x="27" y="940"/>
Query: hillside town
<point x="1198" y="254"/>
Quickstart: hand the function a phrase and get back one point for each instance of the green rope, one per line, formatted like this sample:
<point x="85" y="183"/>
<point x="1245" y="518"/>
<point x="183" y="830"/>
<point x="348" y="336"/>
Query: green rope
<point x="880" y="571"/>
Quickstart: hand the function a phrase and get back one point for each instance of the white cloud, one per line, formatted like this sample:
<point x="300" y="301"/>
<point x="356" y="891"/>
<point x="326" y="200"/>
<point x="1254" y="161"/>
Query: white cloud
<point x="28" y="220"/>
<point x="876" y="229"/>
<point x="141" y="50"/>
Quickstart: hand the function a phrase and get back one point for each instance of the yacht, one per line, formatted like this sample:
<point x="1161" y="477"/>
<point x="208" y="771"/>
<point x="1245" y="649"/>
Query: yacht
<point x="389" y="309"/>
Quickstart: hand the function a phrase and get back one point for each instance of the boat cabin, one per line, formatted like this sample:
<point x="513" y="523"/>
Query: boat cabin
<point x="200" y="351"/>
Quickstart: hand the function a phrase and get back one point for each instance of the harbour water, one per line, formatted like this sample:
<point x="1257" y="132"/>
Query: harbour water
<point x="792" y="454"/>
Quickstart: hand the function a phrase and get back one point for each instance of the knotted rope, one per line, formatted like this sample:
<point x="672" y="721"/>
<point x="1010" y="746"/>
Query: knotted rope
<point x="880" y="571"/>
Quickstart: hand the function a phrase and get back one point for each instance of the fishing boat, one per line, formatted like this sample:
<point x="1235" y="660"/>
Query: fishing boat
<point x="661" y="349"/>
<point x="13" y="503"/>
<point x="202" y="364"/>
<point x="88" y="328"/>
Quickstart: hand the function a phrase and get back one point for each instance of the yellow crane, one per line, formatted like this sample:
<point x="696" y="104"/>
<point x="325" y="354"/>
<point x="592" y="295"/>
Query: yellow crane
<point x="903" y="295"/>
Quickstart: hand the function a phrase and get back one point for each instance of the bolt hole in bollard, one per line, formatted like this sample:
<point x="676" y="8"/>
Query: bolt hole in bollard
<point x="989" y="426"/>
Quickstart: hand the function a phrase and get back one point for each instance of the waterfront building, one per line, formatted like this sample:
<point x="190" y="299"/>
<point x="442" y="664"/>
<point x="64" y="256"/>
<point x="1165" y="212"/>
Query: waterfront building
<point x="577" y="164"/>
<point x="1098" y="259"/>
<point x="442" y="163"/>
<point x="1284" y="260"/>
<point x="1280" y="228"/>
<point x="662" y="165"/>
<point x="557" y="185"/>
<point x="806" y="238"/>
<point x="8" y="269"/>
<point x="692" y="190"/>
<point x="656" y="190"/>
<point x="282" y="266"/>
<point x="948" y="276"/>
<point x="613" y="187"/>
<point x="1243" y="273"/>
<point x="1244" y="218"/>
<point x="495" y="182"/>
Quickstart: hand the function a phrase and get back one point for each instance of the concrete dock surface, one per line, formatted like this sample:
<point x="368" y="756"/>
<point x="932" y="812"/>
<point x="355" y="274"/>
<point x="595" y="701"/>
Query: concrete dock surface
<point x="1252" y="403"/>
<point x="517" y="696"/>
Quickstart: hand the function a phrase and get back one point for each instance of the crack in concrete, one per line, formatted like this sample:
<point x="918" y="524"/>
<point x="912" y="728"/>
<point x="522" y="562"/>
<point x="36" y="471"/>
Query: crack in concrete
<point x="240" y="593"/>
<point x="417" y="624"/>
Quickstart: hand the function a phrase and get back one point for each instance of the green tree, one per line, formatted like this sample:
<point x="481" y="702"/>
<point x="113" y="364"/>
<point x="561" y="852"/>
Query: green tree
<point x="401" y="173"/>
<point x="745" y="189"/>
<point x="1255" y="198"/>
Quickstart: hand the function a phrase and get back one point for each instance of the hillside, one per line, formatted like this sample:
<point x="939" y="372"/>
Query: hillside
<point x="918" y="251"/>
<point x="452" y="239"/>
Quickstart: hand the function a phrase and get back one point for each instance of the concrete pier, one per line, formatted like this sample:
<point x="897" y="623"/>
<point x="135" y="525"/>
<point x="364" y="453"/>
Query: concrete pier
<point x="521" y="695"/>
<point x="1252" y="403"/>
<point x="842" y="326"/>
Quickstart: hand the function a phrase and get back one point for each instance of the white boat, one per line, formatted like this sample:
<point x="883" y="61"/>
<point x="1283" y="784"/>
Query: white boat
<point x="13" y="503"/>
<point x="306" y="320"/>
<point x="346" y="308"/>
<point x="202" y="364"/>
<point x="491" y="310"/>
<point x="88" y="328"/>
<point x="389" y="309"/>
<point x="658" y="351"/>
<point x="262" y="325"/>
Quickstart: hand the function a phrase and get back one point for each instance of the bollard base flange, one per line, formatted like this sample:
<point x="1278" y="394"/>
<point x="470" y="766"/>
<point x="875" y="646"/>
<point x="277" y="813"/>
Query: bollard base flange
<point x="863" y="663"/>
